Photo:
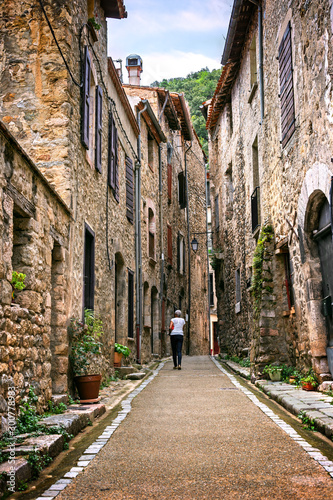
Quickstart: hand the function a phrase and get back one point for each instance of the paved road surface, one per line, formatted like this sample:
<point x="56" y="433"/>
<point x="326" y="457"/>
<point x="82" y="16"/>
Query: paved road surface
<point x="191" y="434"/>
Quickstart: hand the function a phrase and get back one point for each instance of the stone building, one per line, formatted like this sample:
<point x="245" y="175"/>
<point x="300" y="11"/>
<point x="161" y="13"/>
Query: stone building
<point x="80" y="133"/>
<point x="270" y="127"/>
<point x="88" y="196"/>
<point x="173" y="178"/>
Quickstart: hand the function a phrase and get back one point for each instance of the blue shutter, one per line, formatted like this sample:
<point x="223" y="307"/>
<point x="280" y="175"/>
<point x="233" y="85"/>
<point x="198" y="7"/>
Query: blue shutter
<point x="85" y="99"/>
<point x="98" y="129"/>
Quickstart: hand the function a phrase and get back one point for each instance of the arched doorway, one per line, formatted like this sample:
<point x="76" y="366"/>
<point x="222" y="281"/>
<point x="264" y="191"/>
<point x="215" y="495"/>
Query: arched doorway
<point x="323" y="237"/>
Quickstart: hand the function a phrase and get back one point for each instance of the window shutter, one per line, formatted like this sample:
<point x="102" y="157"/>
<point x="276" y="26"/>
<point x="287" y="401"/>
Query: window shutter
<point x="98" y="128"/>
<point x="184" y="256"/>
<point x="85" y="108"/>
<point x="116" y="170"/>
<point x="286" y="87"/>
<point x="111" y="152"/>
<point x="169" y="182"/>
<point x="178" y="252"/>
<point x="217" y="213"/>
<point x="129" y="190"/>
<point x="182" y="190"/>
<point x="169" y="245"/>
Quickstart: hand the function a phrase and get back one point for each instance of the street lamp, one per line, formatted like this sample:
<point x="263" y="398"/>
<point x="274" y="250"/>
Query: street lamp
<point x="194" y="245"/>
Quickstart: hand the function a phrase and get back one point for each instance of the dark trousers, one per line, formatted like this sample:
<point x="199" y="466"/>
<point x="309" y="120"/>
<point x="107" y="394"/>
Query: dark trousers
<point x="177" y="344"/>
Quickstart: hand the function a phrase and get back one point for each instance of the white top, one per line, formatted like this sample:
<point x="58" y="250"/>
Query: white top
<point x="178" y="323"/>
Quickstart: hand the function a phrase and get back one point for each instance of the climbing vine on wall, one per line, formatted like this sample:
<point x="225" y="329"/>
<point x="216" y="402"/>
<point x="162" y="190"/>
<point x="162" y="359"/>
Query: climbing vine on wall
<point x="265" y="238"/>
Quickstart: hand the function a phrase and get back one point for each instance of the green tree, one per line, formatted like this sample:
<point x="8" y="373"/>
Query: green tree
<point x="197" y="87"/>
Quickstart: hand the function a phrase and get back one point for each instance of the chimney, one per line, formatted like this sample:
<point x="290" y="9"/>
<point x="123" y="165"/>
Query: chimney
<point x="134" y="68"/>
<point x="119" y="69"/>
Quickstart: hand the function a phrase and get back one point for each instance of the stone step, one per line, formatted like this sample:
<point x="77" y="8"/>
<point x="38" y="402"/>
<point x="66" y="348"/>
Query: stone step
<point x="75" y="418"/>
<point x="136" y="376"/>
<point x="47" y="444"/>
<point x="59" y="398"/>
<point x="126" y="370"/>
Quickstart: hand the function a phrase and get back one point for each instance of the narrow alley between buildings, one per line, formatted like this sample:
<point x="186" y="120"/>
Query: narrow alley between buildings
<point x="202" y="434"/>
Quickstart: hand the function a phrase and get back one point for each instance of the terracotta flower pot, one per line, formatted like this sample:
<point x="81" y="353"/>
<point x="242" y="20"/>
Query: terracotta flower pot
<point x="88" y="387"/>
<point x="117" y="359"/>
<point x="307" y="386"/>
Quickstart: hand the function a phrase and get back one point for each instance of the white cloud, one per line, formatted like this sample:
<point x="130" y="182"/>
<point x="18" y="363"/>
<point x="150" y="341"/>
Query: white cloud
<point x="157" y="66"/>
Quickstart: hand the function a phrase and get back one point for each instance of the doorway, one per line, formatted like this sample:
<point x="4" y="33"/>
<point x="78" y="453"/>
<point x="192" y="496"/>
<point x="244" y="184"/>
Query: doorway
<point x="323" y="238"/>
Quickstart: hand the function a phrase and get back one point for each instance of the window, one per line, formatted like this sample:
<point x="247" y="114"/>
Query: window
<point x="169" y="238"/>
<point x="217" y="213"/>
<point x="98" y="129"/>
<point x="129" y="190"/>
<point x="238" y="286"/>
<point x="208" y="193"/>
<point x="180" y="254"/>
<point x="113" y="175"/>
<point x="289" y="273"/>
<point x="150" y="151"/>
<point x="211" y="289"/>
<point x="151" y="233"/>
<point x="253" y="62"/>
<point x="169" y="182"/>
<point x="89" y="269"/>
<point x="286" y="87"/>
<point x="130" y="327"/>
<point x="86" y="104"/>
<point x="182" y="190"/>
<point x="255" y="197"/>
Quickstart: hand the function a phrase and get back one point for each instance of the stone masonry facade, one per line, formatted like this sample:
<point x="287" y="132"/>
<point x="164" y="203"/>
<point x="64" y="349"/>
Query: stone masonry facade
<point x="266" y="174"/>
<point x="69" y="158"/>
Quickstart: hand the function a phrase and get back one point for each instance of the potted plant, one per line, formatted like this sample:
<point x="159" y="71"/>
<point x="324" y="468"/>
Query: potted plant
<point x="274" y="372"/>
<point x="17" y="283"/>
<point x="310" y="381"/>
<point x="85" y="350"/>
<point x="120" y="351"/>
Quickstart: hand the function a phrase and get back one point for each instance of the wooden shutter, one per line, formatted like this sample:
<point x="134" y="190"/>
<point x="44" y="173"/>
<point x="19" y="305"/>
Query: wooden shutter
<point x="111" y="152"/>
<point x="98" y="129"/>
<point x="182" y="190"/>
<point x="169" y="245"/>
<point x="178" y="252"/>
<point x="116" y="169"/>
<point x="169" y="182"/>
<point x="130" y="327"/>
<point x="184" y="257"/>
<point x="129" y="190"/>
<point x="85" y="108"/>
<point x="113" y="174"/>
<point x="286" y="87"/>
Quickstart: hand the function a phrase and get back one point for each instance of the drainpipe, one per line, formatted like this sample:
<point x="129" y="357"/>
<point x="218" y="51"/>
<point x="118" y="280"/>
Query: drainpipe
<point x="261" y="58"/>
<point x="189" y="256"/>
<point x="138" y="249"/>
<point x="211" y="342"/>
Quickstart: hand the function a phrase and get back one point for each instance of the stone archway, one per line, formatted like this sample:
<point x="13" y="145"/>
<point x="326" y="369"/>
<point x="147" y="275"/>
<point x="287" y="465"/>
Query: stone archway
<point x="315" y="190"/>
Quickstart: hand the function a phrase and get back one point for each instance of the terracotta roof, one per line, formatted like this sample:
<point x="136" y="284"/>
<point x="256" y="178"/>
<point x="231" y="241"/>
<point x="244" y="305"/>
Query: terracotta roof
<point x="238" y="27"/>
<point x="183" y="114"/>
<point x="114" y="8"/>
<point x="122" y="96"/>
<point x="170" y="110"/>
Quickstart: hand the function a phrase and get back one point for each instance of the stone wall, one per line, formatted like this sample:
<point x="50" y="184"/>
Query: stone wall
<point x="34" y="240"/>
<point x="294" y="181"/>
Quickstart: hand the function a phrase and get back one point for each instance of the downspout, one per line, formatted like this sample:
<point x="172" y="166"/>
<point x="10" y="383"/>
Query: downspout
<point x="261" y="58"/>
<point x="189" y="257"/>
<point x="211" y="344"/>
<point x="138" y="249"/>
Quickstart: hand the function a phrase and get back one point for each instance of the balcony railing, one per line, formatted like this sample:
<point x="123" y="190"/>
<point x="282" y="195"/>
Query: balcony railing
<point x="255" y="208"/>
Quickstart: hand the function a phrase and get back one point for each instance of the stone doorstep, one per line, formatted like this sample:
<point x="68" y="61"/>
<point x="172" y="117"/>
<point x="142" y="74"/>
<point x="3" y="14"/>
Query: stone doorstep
<point x="47" y="444"/>
<point x="21" y="467"/>
<point x="92" y="411"/>
<point x="76" y="419"/>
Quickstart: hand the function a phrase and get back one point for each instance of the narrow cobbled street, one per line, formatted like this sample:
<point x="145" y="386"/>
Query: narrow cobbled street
<point x="194" y="434"/>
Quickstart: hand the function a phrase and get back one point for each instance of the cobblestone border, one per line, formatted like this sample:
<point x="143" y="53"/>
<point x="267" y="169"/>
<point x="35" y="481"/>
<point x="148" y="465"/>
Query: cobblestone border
<point x="90" y="453"/>
<point x="313" y="452"/>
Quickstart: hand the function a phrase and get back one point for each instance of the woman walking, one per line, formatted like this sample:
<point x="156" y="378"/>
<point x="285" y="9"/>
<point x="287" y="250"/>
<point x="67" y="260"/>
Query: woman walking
<point x="177" y="336"/>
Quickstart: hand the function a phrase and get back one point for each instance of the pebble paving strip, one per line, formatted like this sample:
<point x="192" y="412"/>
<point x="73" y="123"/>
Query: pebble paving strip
<point x="313" y="452"/>
<point x="92" y="450"/>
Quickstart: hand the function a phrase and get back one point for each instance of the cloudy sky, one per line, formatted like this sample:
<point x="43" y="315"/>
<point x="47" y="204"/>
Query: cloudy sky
<point x="173" y="37"/>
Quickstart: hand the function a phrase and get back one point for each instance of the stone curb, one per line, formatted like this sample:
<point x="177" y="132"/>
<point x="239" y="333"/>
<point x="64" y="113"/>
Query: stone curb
<point x="314" y="405"/>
